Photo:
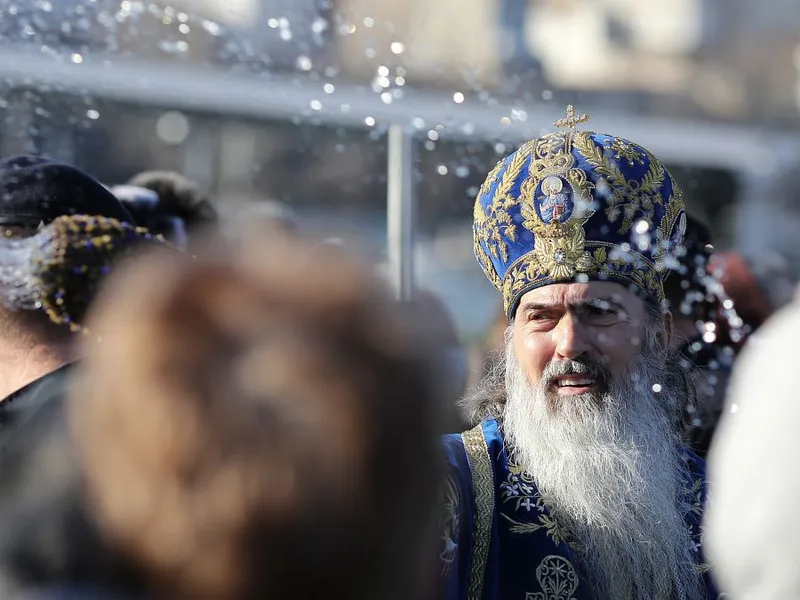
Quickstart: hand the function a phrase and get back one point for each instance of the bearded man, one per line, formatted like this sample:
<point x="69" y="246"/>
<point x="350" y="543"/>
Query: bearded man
<point x="574" y="484"/>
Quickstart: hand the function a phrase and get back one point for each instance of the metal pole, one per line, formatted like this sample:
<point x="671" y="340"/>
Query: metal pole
<point x="400" y="211"/>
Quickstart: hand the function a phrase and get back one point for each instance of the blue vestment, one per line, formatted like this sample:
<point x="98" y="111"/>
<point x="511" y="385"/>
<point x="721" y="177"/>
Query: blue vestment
<point x="500" y="541"/>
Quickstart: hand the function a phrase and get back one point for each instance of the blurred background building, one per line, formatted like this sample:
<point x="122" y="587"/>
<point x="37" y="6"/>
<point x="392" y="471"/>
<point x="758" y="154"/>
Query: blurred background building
<point x="291" y="100"/>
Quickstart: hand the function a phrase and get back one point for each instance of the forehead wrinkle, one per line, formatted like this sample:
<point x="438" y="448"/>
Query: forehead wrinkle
<point x="572" y="305"/>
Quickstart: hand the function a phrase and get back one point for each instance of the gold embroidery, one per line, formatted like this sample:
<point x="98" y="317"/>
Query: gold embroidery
<point x="490" y="179"/>
<point x="519" y="488"/>
<point x="624" y="151"/>
<point x="557" y="578"/>
<point x="494" y="223"/>
<point x="673" y="224"/>
<point x="626" y="198"/>
<point x="595" y="259"/>
<point x="480" y="467"/>
<point x="559" y="249"/>
<point x="451" y="512"/>
<point x="484" y="261"/>
<point x="555" y="201"/>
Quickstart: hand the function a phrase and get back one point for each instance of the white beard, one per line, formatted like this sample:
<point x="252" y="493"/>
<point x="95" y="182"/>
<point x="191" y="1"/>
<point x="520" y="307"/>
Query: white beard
<point x="609" y="468"/>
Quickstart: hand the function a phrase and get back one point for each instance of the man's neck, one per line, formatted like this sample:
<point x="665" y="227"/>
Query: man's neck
<point x="22" y="366"/>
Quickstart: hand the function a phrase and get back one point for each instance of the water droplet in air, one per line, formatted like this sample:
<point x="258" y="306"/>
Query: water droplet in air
<point x="386" y="97"/>
<point x="657" y="388"/>
<point x="304" y="63"/>
<point x="458" y="97"/>
<point x="319" y="25"/>
<point x="328" y="88"/>
<point x="173" y="127"/>
<point x="76" y="58"/>
<point x="462" y="171"/>
<point x="174" y="47"/>
<point x="433" y="135"/>
<point x="369" y="121"/>
<point x="397" y="48"/>
<point x="315" y="105"/>
<point x="213" y="28"/>
<point x="93" y="114"/>
<point x="441" y="169"/>
<point x="505" y="121"/>
<point x="369" y="21"/>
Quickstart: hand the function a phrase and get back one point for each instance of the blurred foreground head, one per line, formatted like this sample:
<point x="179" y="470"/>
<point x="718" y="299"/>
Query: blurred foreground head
<point x="263" y="428"/>
<point x="751" y="458"/>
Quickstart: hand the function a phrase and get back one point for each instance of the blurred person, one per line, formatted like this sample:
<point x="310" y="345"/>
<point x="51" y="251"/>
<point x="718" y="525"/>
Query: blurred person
<point x="751" y="462"/>
<point x="265" y="428"/>
<point x="145" y="206"/>
<point x="691" y="296"/>
<point x="56" y="272"/>
<point x="732" y="308"/>
<point x="261" y="217"/>
<point x="35" y="352"/>
<point x="735" y="274"/>
<point x="686" y="288"/>
<point x="450" y="364"/>
<point x="574" y="482"/>
<point x="491" y="345"/>
<point x="182" y="207"/>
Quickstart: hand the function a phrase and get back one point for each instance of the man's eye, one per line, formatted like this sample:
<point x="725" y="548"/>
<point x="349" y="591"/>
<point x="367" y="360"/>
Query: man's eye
<point x="601" y="314"/>
<point x="537" y="317"/>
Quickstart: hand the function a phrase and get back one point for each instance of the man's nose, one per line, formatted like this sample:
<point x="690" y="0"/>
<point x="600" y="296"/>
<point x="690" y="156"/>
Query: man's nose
<point x="570" y="337"/>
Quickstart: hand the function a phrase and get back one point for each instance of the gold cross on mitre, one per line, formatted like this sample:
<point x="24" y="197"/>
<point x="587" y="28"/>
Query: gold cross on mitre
<point x="571" y="120"/>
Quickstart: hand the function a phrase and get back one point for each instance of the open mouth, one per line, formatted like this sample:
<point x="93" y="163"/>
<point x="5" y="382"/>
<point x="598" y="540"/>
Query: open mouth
<point x="569" y="385"/>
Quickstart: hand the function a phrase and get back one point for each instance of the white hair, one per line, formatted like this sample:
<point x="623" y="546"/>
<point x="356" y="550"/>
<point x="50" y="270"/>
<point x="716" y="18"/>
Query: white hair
<point x="609" y="467"/>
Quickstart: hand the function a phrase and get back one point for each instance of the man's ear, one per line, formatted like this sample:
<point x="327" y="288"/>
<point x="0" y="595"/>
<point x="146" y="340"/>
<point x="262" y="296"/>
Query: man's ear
<point x="669" y="331"/>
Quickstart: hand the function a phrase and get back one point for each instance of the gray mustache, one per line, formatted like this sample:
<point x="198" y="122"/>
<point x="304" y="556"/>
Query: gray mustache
<point x="593" y="369"/>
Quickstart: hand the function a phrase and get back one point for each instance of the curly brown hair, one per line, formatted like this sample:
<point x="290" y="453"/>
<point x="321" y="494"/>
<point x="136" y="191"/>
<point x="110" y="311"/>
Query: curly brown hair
<point x="261" y="425"/>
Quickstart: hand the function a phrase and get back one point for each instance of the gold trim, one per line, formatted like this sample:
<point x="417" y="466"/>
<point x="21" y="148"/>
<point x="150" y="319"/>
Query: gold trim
<point x="480" y="466"/>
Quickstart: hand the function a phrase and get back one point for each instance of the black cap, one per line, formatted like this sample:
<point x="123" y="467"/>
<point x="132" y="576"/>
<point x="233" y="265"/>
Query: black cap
<point x="36" y="190"/>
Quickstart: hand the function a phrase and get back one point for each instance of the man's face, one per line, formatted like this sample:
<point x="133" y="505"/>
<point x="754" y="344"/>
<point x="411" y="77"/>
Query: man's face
<point x="599" y="324"/>
<point x="589" y="413"/>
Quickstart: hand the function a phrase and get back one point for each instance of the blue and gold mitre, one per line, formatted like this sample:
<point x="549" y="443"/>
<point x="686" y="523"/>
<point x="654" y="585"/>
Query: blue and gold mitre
<point x="577" y="206"/>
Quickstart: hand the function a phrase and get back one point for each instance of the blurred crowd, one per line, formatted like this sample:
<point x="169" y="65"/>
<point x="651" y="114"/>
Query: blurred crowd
<point x="227" y="408"/>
